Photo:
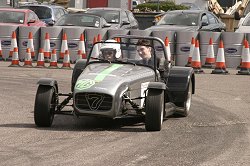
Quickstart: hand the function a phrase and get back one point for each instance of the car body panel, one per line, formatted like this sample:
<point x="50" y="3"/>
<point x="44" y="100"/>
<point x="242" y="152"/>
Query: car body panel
<point x="244" y="24"/>
<point x="116" y="17"/>
<point x="82" y="20"/>
<point x="19" y="17"/>
<point x="189" y="20"/>
<point x="124" y="78"/>
<point x="46" y="13"/>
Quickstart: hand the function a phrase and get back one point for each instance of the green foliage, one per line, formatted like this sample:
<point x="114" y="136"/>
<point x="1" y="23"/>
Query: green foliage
<point x="165" y="6"/>
<point x="41" y="1"/>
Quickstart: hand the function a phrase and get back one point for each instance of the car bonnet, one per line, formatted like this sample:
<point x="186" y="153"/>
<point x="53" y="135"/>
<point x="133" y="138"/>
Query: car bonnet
<point x="107" y="77"/>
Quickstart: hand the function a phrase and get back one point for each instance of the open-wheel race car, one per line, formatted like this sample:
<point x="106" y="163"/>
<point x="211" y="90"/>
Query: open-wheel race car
<point x="129" y="76"/>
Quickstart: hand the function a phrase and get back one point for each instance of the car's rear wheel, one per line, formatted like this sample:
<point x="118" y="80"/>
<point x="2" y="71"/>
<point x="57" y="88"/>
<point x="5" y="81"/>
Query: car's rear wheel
<point x="187" y="103"/>
<point x="154" y="110"/>
<point x="45" y="104"/>
<point x="184" y="107"/>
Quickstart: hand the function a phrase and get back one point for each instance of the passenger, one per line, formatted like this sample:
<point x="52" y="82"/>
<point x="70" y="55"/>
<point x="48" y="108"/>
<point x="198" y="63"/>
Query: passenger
<point x="110" y="51"/>
<point x="144" y="51"/>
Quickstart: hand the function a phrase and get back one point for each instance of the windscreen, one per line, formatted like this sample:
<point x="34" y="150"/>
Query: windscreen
<point x="188" y="19"/>
<point x="12" y="17"/>
<point x="79" y="20"/>
<point x="41" y="11"/>
<point x="111" y="16"/>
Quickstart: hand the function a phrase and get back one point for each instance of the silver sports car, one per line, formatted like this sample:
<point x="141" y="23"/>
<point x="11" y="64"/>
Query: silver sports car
<point x="114" y="82"/>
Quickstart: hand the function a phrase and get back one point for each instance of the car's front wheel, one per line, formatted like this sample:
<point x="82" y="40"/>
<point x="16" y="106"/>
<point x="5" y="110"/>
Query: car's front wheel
<point x="45" y="104"/>
<point x="154" y="109"/>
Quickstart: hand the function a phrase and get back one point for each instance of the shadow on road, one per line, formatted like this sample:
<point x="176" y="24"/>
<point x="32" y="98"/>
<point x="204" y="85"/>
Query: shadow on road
<point x="87" y="124"/>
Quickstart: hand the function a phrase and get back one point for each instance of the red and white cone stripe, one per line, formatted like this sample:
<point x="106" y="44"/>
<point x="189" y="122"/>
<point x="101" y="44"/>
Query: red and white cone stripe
<point x="95" y="49"/>
<point x="245" y="56"/>
<point x="15" y="57"/>
<point x="47" y="46"/>
<point x="79" y="55"/>
<point x="82" y="46"/>
<point x="191" y="51"/>
<point x="210" y="52"/>
<point x="167" y="49"/>
<point x="27" y="58"/>
<point x="53" y="60"/>
<point x="64" y="46"/>
<point x="30" y="45"/>
<point x="13" y="43"/>
<point x="99" y="39"/>
<point x="40" y="59"/>
<point x="66" y="60"/>
<point x="196" y="60"/>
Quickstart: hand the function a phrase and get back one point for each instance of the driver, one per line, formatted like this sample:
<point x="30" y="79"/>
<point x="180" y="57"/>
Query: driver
<point x="110" y="50"/>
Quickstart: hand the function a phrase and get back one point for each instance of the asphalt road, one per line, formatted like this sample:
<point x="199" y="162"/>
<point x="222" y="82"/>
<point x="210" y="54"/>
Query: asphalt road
<point x="216" y="132"/>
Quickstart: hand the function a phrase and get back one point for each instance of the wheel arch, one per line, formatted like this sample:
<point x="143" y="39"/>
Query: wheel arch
<point x="178" y="80"/>
<point x="48" y="82"/>
<point x="157" y="85"/>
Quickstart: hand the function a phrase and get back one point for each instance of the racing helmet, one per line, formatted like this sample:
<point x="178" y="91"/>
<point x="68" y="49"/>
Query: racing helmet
<point x="112" y="45"/>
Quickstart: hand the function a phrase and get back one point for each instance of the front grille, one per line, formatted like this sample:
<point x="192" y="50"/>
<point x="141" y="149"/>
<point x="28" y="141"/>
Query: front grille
<point x="93" y="101"/>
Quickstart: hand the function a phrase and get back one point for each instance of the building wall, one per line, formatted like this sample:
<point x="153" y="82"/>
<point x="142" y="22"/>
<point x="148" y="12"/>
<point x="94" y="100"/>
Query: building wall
<point x="82" y="4"/>
<point x="125" y="4"/>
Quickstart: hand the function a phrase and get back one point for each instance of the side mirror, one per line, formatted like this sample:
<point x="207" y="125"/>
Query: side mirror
<point x="106" y="25"/>
<point x="204" y="24"/>
<point x="154" y="22"/>
<point x="31" y="21"/>
<point x="125" y="22"/>
<point x="51" y="23"/>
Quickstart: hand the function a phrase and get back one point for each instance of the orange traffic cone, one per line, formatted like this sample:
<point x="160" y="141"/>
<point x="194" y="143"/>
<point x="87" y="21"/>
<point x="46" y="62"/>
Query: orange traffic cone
<point x="53" y="59"/>
<point x="40" y="59"/>
<point x="79" y="55"/>
<point x="66" y="60"/>
<point x="1" y="53"/>
<point x="46" y="48"/>
<point x="15" y="58"/>
<point x="99" y="39"/>
<point x="30" y="45"/>
<point x="191" y="52"/>
<point x="168" y="49"/>
<point x="220" y="65"/>
<point x="245" y="63"/>
<point x="28" y="59"/>
<point x="81" y="47"/>
<point x="118" y="39"/>
<point x="95" y="49"/>
<point x="13" y="44"/>
<point x="210" y="59"/>
<point x="243" y="47"/>
<point x="196" y="59"/>
<point x="64" y="46"/>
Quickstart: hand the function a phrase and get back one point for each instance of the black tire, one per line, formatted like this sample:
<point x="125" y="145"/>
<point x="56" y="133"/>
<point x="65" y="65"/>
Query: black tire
<point x="154" y="109"/>
<point x="79" y="66"/>
<point x="187" y="103"/>
<point x="183" y="108"/>
<point x="45" y="105"/>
